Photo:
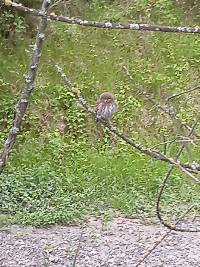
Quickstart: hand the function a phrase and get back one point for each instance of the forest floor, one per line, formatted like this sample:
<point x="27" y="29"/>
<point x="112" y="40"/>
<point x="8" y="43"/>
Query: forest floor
<point x="121" y="242"/>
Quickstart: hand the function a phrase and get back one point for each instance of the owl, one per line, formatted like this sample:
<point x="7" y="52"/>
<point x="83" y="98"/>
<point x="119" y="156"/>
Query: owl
<point x="106" y="106"/>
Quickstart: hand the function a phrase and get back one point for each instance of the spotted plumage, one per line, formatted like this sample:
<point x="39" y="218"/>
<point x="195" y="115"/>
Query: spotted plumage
<point x="106" y="106"/>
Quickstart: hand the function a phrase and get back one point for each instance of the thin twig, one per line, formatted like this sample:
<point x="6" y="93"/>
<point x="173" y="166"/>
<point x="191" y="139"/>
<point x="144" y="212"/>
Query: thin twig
<point x="127" y="73"/>
<point x="182" y="93"/>
<point x="164" y="145"/>
<point x="55" y="4"/>
<point x="77" y="250"/>
<point x="152" y="153"/>
<point x="109" y="25"/>
<point x="28" y="88"/>
<point x="168" y="110"/>
<point x="171" y="113"/>
<point x="176" y="140"/>
<point x="163" y="186"/>
<point x="149" y="252"/>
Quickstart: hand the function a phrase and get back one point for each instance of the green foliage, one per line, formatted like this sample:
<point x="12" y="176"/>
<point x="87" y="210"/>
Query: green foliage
<point x="11" y="25"/>
<point x="65" y="186"/>
<point x="64" y="166"/>
<point x="14" y="24"/>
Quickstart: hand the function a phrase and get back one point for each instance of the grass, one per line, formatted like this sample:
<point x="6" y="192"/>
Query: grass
<point x="41" y="189"/>
<point x="61" y="178"/>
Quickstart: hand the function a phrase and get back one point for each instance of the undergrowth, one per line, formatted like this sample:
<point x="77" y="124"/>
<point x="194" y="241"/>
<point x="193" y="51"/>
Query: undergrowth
<point x="69" y="184"/>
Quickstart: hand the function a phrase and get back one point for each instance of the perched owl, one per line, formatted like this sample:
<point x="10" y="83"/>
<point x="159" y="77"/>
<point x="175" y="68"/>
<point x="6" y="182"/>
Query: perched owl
<point x="106" y="105"/>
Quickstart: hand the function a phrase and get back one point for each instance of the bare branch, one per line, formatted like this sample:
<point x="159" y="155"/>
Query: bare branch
<point x="178" y="139"/>
<point x="149" y="252"/>
<point x="109" y="25"/>
<point x="169" y="110"/>
<point x="171" y="113"/>
<point x="28" y="88"/>
<point x="183" y="92"/>
<point x="152" y="153"/>
<point x="163" y="186"/>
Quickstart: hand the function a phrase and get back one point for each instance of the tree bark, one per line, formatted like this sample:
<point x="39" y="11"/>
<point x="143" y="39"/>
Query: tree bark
<point x="110" y="25"/>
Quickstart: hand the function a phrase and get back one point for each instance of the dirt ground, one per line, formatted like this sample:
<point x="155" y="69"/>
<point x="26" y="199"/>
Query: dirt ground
<point x="122" y="242"/>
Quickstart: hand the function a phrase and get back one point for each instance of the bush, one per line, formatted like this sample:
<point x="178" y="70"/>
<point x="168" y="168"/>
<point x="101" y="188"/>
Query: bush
<point x="13" y="24"/>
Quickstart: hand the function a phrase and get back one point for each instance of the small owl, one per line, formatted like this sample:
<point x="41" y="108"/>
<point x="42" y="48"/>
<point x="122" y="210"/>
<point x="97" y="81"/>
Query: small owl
<point x="106" y="106"/>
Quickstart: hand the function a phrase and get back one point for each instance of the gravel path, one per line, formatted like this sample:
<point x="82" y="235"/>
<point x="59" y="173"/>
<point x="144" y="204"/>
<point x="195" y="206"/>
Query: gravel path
<point x="120" y="243"/>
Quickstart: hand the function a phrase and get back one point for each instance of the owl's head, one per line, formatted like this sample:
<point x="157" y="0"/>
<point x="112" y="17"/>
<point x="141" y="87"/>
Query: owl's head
<point x="106" y="96"/>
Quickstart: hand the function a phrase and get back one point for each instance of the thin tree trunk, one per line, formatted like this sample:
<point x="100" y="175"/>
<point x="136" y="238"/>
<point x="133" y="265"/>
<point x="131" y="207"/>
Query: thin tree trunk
<point x="28" y="88"/>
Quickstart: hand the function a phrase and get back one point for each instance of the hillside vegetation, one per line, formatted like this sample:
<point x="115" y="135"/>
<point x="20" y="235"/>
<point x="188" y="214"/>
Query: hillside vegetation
<point x="64" y="166"/>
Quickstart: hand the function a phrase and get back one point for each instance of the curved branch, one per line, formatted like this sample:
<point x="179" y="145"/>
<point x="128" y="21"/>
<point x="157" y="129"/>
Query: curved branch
<point x="163" y="186"/>
<point x="149" y="252"/>
<point x="109" y="25"/>
<point x="28" y="88"/>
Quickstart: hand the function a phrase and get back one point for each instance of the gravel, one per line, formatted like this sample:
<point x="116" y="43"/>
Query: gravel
<point x="122" y="242"/>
